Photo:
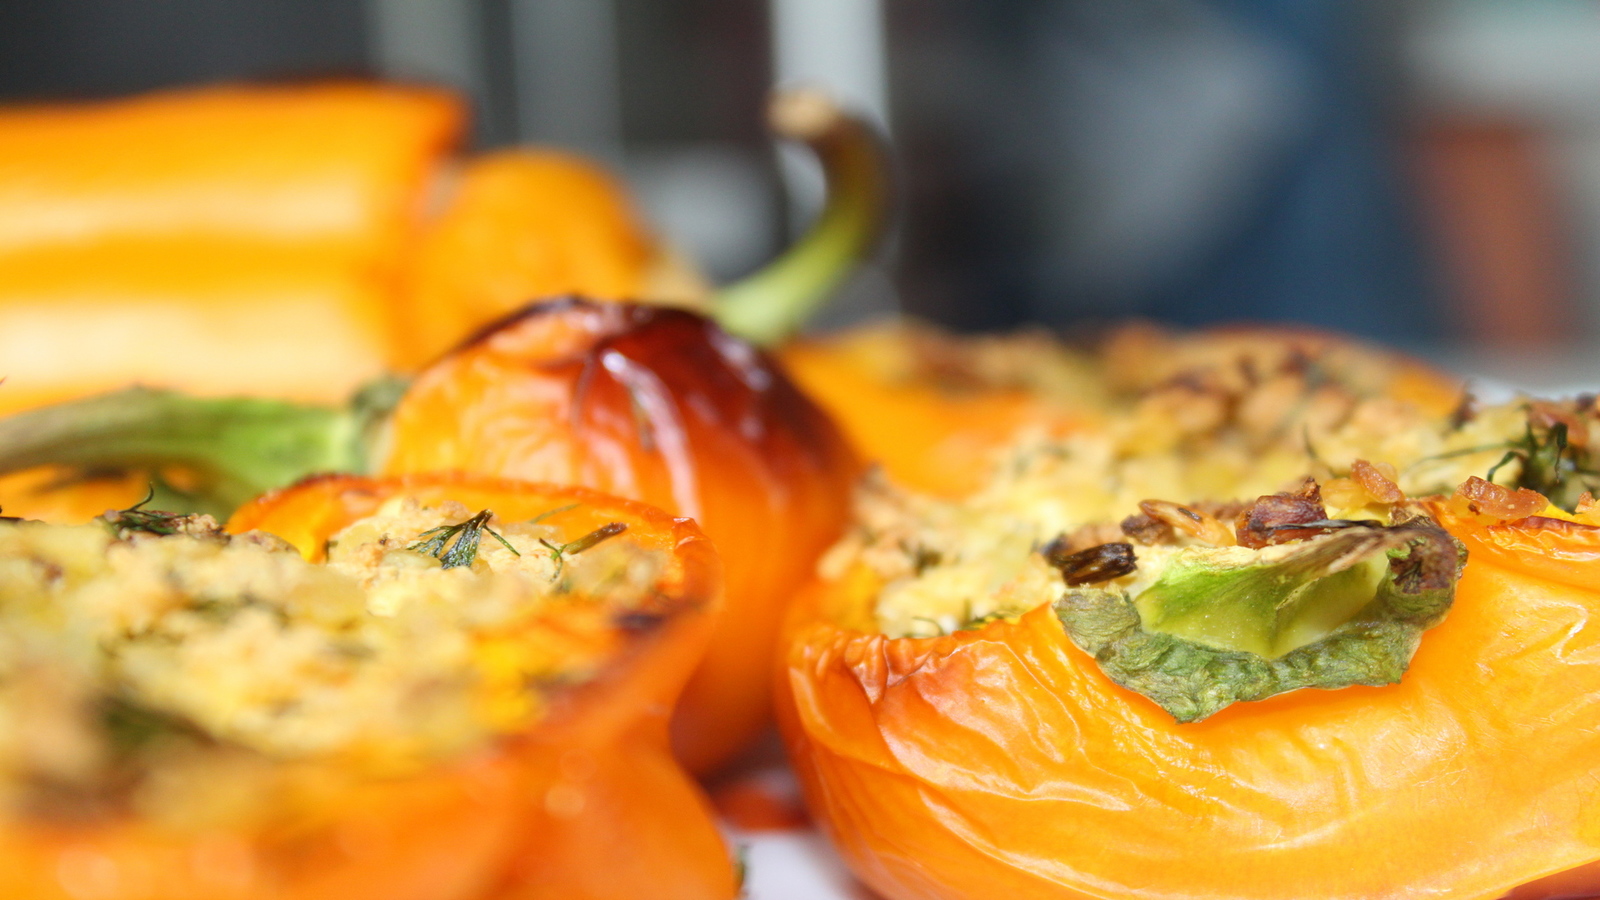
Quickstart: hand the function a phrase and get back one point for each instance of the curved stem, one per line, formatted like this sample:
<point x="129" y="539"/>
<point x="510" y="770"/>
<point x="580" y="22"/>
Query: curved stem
<point x="238" y="446"/>
<point x="774" y="302"/>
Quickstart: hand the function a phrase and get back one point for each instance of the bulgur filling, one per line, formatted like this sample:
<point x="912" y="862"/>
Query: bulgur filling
<point x="137" y="658"/>
<point x="949" y="565"/>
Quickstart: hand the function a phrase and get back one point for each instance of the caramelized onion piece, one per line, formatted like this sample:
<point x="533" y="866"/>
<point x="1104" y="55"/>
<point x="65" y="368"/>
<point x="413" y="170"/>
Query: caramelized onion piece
<point x="1272" y="519"/>
<point x="1490" y="499"/>
<point x="1195" y="523"/>
<point x="1377" y="480"/>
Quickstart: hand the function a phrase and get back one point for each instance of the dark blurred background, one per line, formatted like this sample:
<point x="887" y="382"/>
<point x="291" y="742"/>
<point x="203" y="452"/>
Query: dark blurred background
<point x="1422" y="171"/>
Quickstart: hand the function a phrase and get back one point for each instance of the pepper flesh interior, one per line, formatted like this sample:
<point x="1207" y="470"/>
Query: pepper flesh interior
<point x="1253" y="600"/>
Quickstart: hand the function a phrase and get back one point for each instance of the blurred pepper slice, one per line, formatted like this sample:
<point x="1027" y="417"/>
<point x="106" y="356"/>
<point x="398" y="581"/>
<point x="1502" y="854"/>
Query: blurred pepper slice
<point x="642" y="401"/>
<point x="1002" y="759"/>
<point x="223" y="239"/>
<point x="536" y="809"/>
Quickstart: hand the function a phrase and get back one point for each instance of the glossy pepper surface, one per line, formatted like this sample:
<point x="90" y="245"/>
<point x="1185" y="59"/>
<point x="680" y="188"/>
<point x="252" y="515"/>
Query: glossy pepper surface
<point x="1001" y="761"/>
<point x="538" y="814"/>
<point x="660" y="405"/>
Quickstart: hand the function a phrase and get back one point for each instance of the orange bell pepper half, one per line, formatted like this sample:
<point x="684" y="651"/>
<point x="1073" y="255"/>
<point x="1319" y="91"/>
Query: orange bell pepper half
<point x="1001" y="760"/>
<point x="584" y="802"/>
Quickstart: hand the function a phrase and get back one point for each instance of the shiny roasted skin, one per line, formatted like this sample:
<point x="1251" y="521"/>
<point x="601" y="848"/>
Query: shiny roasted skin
<point x="591" y="803"/>
<point x="659" y="405"/>
<point x="1001" y="761"/>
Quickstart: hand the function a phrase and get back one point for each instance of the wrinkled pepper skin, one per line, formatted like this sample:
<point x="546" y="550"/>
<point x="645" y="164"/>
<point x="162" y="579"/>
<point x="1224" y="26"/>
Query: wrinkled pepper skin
<point x="1001" y="762"/>
<point x="481" y="827"/>
<point x="225" y="239"/>
<point x="659" y="405"/>
<point x="640" y="828"/>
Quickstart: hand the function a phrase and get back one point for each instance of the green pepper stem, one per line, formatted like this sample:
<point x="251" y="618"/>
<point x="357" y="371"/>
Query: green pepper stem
<point x="774" y="302"/>
<point x="237" y="446"/>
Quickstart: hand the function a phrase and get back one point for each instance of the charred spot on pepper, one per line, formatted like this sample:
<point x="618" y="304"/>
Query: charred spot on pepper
<point x="638" y="621"/>
<point x="1092" y="566"/>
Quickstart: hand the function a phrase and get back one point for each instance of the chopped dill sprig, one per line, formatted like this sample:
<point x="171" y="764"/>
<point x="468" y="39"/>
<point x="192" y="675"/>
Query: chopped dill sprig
<point x="137" y="519"/>
<point x="457" y="545"/>
<point x="560" y="552"/>
<point x="1550" y="464"/>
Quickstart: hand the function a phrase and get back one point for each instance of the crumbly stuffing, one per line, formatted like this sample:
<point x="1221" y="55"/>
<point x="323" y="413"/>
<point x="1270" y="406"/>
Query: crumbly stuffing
<point x="1205" y="439"/>
<point x="131" y="664"/>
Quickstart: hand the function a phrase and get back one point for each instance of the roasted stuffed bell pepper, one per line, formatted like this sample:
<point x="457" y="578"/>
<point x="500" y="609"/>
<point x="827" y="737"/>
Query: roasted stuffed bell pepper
<point x="456" y="688"/>
<point x="1299" y="695"/>
<point x="645" y="402"/>
<point x="939" y="411"/>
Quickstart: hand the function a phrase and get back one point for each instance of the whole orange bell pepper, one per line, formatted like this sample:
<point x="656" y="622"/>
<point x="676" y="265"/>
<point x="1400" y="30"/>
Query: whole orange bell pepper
<point x="1002" y="760"/>
<point x="642" y="401"/>
<point x="298" y="240"/>
<point x="585" y="803"/>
